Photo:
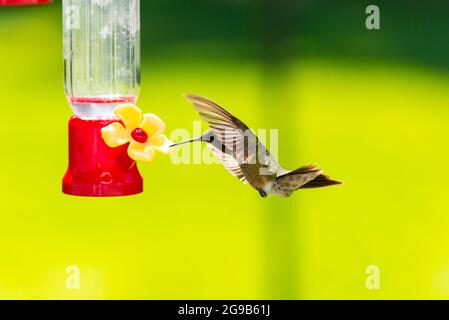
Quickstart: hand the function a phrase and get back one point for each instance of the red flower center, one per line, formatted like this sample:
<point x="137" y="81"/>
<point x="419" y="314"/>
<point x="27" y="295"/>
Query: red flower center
<point x="139" y="135"/>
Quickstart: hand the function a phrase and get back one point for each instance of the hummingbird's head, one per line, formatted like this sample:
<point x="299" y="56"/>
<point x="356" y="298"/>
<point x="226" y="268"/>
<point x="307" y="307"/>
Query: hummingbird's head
<point x="208" y="137"/>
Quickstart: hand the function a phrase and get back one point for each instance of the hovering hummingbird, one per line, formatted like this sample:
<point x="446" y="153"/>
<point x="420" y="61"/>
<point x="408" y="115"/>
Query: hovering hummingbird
<point x="244" y="156"/>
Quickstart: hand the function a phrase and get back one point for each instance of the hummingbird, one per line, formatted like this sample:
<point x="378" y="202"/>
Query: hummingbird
<point x="244" y="156"/>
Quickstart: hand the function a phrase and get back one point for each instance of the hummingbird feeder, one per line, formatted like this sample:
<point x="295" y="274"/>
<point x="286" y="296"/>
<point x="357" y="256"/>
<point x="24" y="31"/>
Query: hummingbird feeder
<point x="101" y="72"/>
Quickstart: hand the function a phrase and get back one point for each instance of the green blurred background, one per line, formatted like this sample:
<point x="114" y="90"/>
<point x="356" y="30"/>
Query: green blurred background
<point x="370" y="107"/>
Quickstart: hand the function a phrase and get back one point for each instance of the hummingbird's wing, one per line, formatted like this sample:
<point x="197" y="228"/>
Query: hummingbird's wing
<point x="234" y="134"/>
<point x="216" y="116"/>
<point x="229" y="163"/>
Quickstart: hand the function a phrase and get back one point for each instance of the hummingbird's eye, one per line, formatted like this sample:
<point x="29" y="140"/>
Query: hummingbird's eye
<point x="212" y="138"/>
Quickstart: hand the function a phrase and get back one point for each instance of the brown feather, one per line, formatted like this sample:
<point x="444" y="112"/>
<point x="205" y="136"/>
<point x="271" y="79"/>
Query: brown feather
<point x="321" y="181"/>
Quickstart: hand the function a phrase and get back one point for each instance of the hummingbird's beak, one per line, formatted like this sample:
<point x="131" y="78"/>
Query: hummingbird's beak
<point x="184" y="142"/>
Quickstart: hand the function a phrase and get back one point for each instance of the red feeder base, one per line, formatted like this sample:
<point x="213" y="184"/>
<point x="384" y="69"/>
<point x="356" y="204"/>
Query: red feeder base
<point x="23" y="2"/>
<point x="96" y="170"/>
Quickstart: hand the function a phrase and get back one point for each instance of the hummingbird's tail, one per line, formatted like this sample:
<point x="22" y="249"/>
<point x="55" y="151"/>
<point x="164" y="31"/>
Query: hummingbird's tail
<point x="306" y="177"/>
<point x="321" y="181"/>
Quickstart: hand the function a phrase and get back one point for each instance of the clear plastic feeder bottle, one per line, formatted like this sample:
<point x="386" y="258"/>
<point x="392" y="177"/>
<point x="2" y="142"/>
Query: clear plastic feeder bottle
<point x="101" y="71"/>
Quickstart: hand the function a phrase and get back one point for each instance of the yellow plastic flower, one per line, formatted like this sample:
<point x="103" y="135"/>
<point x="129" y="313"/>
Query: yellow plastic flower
<point x="143" y="132"/>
